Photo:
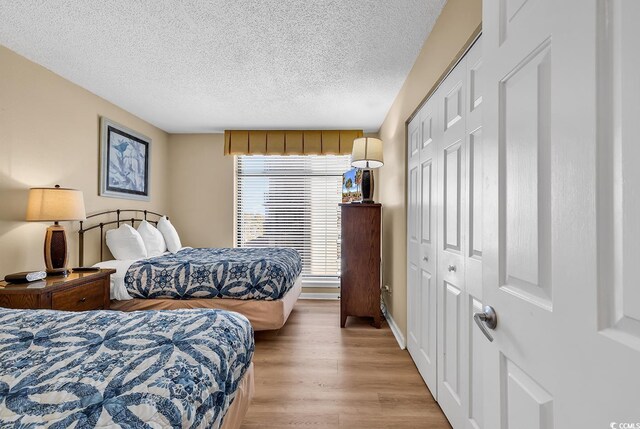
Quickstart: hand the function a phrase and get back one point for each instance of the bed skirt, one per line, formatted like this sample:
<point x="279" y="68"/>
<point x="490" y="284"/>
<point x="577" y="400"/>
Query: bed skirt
<point x="238" y="408"/>
<point x="263" y="315"/>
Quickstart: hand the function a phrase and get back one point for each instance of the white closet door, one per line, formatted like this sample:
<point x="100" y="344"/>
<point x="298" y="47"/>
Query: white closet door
<point x="445" y="274"/>
<point x="561" y="244"/>
<point x="474" y="340"/>
<point x="422" y="305"/>
<point x="426" y="297"/>
<point x="452" y="350"/>
<point x="414" y="311"/>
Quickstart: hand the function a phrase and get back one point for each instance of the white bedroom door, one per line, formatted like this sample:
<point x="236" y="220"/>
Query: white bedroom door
<point x="561" y="243"/>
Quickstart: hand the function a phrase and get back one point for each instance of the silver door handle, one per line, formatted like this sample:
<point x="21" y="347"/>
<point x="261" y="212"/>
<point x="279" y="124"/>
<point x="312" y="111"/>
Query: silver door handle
<point x="451" y="268"/>
<point x="486" y="319"/>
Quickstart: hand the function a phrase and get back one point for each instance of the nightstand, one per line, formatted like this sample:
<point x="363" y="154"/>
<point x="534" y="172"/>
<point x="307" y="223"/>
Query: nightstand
<point x="76" y="292"/>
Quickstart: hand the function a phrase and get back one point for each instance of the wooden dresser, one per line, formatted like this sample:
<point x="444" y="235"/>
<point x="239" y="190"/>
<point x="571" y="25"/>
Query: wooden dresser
<point x="81" y="291"/>
<point x="360" y="262"/>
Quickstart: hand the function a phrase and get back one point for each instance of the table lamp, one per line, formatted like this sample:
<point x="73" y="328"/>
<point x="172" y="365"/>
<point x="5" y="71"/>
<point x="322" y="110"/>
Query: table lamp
<point x="55" y="205"/>
<point x="367" y="154"/>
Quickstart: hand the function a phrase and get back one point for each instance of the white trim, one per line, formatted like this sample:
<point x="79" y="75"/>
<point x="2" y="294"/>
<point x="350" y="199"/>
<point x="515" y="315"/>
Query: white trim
<point x="308" y="295"/>
<point x="394" y="327"/>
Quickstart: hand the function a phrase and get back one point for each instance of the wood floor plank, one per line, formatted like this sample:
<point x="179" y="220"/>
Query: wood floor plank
<point x="312" y="374"/>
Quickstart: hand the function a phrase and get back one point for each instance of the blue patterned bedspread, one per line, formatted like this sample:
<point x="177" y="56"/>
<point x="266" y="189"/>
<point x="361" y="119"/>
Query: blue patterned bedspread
<point x="177" y="369"/>
<point x="241" y="273"/>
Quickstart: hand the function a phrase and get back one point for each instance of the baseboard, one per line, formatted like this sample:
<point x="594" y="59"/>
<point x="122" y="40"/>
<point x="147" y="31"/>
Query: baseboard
<point x="309" y="295"/>
<point x="394" y="327"/>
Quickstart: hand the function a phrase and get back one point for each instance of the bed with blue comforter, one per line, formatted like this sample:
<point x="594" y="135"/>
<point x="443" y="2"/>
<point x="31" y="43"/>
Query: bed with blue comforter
<point x="238" y="273"/>
<point x="170" y="369"/>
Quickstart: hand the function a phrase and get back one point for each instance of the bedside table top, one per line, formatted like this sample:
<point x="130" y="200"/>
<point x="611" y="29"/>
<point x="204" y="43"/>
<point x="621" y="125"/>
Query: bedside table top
<point x="55" y="282"/>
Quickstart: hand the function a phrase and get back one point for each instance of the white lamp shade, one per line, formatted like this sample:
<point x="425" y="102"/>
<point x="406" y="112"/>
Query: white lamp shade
<point x="55" y="204"/>
<point x="367" y="153"/>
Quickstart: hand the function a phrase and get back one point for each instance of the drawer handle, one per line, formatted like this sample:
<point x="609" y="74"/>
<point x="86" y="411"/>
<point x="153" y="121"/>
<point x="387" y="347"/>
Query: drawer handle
<point x="451" y="268"/>
<point x="83" y="299"/>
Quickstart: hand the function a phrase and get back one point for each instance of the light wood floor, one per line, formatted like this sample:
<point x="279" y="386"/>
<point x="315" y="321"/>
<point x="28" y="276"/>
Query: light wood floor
<point x="313" y="374"/>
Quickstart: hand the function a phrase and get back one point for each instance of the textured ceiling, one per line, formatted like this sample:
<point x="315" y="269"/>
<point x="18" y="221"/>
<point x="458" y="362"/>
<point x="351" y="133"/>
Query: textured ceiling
<point x="210" y="65"/>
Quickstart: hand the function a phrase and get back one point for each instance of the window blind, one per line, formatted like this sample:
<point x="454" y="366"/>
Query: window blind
<point x="292" y="201"/>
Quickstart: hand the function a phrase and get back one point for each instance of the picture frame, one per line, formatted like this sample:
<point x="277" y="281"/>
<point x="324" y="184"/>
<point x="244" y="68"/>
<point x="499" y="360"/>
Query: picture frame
<point x="351" y="186"/>
<point x="125" y="162"/>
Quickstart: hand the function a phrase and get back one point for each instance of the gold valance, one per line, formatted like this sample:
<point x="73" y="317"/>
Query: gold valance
<point x="290" y="142"/>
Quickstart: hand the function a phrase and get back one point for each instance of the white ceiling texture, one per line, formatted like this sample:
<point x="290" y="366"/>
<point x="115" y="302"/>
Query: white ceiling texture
<point x="209" y="65"/>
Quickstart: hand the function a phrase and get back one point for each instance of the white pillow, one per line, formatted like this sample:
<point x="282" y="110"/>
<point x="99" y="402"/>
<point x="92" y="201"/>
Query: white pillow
<point x="152" y="238"/>
<point x="125" y="243"/>
<point x="170" y="234"/>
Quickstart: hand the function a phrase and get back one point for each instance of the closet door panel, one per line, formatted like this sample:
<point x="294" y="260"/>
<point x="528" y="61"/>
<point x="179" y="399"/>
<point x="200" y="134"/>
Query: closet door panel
<point x="474" y="226"/>
<point x="452" y="329"/>
<point x="474" y="378"/>
<point x="426" y="194"/>
<point x="475" y="174"/>
<point x="414" y="209"/>
<point x="413" y="310"/>
<point x="451" y="190"/>
<point x="428" y="250"/>
<point x="452" y="343"/>
<point x="414" y="142"/>
<point x="428" y="327"/>
<point x="413" y="257"/>
<point x="414" y="292"/>
<point x="473" y="232"/>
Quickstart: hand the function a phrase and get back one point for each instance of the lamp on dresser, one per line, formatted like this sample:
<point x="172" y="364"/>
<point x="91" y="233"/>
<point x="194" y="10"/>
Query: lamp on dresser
<point x="367" y="154"/>
<point x="55" y="205"/>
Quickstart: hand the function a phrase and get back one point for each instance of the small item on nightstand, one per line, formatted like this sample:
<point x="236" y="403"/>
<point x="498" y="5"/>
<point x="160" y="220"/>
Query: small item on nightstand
<point x="25" y="276"/>
<point x="85" y="269"/>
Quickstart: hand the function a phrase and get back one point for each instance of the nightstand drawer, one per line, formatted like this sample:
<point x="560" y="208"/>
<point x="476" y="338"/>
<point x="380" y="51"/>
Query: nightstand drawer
<point x="82" y="298"/>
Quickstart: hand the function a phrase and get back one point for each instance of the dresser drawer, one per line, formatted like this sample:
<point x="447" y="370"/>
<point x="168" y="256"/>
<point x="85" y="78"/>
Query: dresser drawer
<point x="82" y="298"/>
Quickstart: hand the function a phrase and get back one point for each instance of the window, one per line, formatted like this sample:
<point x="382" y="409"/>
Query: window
<point x="292" y="201"/>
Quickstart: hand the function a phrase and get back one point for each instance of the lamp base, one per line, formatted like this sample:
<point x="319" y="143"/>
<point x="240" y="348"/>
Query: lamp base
<point x="62" y="272"/>
<point x="367" y="186"/>
<point x="55" y="250"/>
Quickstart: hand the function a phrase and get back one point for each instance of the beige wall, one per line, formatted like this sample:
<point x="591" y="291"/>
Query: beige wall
<point x="49" y="134"/>
<point x="456" y="27"/>
<point x="201" y="190"/>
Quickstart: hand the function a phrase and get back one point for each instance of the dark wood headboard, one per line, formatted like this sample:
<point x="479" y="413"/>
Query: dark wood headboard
<point x="107" y="217"/>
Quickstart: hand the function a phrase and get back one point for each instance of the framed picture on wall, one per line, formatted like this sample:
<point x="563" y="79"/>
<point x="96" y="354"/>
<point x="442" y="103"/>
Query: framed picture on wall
<point x="125" y="161"/>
